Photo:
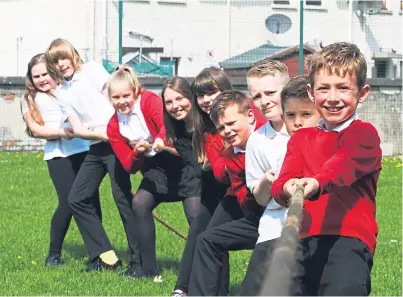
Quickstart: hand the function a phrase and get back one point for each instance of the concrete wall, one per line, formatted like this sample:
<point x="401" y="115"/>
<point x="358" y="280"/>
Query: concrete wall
<point x="383" y="109"/>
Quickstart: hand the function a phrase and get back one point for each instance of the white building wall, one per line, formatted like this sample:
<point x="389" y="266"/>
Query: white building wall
<point x="225" y="27"/>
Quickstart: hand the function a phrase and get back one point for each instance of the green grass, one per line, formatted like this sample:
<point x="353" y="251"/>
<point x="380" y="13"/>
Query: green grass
<point x="28" y="200"/>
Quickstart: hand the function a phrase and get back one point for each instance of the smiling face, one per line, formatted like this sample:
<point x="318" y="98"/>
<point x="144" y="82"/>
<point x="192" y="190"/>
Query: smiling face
<point x="265" y="93"/>
<point x="176" y="104"/>
<point x="206" y="100"/>
<point x="336" y="98"/>
<point x="235" y="127"/>
<point x="122" y="96"/>
<point x="41" y="79"/>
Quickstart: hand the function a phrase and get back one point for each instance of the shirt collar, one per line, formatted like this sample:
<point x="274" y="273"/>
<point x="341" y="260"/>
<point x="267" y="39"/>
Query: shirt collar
<point x="321" y="124"/>
<point x="238" y="150"/>
<point x="271" y="133"/>
<point x="76" y="76"/>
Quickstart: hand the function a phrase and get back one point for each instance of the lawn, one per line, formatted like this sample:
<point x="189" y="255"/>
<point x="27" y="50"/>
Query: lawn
<point x="28" y="200"/>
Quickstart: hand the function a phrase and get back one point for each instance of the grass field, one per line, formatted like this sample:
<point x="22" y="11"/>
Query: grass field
<point x="28" y="200"/>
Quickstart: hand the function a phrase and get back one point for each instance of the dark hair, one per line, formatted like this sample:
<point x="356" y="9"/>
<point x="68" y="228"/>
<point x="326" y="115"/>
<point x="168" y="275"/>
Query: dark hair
<point x="227" y="99"/>
<point x="209" y="80"/>
<point x="175" y="128"/>
<point x="294" y="89"/>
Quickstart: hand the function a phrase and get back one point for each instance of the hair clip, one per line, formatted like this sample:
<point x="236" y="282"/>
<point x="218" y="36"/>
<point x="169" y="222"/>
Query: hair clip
<point x="121" y="69"/>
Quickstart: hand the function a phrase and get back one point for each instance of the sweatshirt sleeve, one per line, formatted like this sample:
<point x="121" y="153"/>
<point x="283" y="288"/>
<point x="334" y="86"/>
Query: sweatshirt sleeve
<point x="358" y="154"/>
<point x="155" y="110"/>
<point x="126" y="155"/>
<point x="292" y="168"/>
<point x="213" y="146"/>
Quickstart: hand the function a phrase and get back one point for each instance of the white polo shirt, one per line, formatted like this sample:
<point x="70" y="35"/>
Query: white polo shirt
<point x="51" y="113"/>
<point x="266" y="150"/>
<point x="134" y="127"/>
<point x="82" y="97"/>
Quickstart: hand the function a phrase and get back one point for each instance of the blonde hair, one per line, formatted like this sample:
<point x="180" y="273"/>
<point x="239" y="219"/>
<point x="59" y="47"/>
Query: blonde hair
<point x="339" y="58"/>
<point x="268" y="67"/>
<point x="59" y="49"/>
<point x="125" y="73"/>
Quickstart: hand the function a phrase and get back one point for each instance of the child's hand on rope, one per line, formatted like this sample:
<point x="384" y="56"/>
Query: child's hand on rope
<point x="311" y="186"/>
<point x="66" y="133"/>
<point x="270" y="176"/>
<point x="158" y="142"/>
<point x="141" y="146"/>
<point x="290" y="187"/>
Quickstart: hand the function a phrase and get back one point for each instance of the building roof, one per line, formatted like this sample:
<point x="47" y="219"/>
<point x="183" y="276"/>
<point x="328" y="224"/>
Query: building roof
<point x="246" y="59"/>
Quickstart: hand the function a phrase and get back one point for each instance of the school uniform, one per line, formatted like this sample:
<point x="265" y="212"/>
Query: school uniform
<point x="166" y="177"/>
<point x="338" y="230"/>
<point x="82" y="97"/>
<point x="64" y="158"/>
<point x="212" y="192"/>
<point x="234" y="226"/>
<point x="265" y="150"/>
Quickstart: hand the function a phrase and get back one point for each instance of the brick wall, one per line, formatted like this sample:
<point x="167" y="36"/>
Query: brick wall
<point x="383" y="109"/>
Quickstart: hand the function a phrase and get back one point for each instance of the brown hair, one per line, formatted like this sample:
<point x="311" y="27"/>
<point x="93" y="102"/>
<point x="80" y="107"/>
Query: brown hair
<point x="209" y="80"/>
<point x="226" y="99"/>
<point x="125" y="73"/>
<point x="58" y="49"/>
<point x="268" y="67"/>
<point x="339" y="58"/>
<point x="175" y="128"/>
<point x="294" y="89"/>
<point x="31" y="91"/>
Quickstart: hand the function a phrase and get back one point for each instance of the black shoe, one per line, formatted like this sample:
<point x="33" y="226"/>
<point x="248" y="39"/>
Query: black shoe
<point x="98" y="265"/>
<point x="54" y="260"/>
<point x="133" y="271"/>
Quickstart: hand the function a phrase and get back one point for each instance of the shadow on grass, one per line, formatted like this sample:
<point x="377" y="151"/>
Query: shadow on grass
<point x="78" y="251"/>
<point x="169" y="264"/>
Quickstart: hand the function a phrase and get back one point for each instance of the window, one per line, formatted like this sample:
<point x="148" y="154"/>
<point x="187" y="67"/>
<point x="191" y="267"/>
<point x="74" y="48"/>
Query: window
<point x="314" y="2"/>
<point x="281" y="2"/>
<point x="172" y="1"/>
<point x="381" y="67"/>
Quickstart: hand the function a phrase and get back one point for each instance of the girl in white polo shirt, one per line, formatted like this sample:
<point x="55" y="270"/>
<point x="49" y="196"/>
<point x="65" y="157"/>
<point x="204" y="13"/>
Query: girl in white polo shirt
<point x="63" y="153"/>
<point x="166" y="178"/>
<point x="85" y="106"/>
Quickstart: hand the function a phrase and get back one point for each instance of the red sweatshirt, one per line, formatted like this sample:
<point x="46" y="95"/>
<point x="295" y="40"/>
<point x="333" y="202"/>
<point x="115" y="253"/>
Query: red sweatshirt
<point x="152" y="109"/>
<point x="347" y="165"/>
<point x="235" y="165"/>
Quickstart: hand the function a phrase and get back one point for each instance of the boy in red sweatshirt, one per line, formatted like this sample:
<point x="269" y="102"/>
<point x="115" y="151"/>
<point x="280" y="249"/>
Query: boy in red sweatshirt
<point x="233" y="116"/>
<point x="338" y="163"/>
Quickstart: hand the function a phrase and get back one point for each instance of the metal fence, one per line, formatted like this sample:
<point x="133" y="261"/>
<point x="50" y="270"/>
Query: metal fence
<point x="161" y="38"/>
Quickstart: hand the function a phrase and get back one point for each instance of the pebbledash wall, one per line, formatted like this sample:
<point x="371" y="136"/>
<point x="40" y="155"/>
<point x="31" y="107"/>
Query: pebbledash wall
<point x="383" y="109"/>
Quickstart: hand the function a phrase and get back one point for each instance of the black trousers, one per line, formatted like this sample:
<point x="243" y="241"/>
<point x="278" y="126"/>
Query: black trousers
<point x="63" y="172"/>
<point x="143" y="204"/>
<point x="213" y="245"/>
<point x="199" y="225"/>
<point x="99" y="161"/>
<point x="257" y="268"/>
<point x="331" y="265"/>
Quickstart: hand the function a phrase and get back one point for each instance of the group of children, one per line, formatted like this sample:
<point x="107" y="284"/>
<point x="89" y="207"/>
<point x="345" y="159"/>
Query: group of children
<point x="233" y="160"/>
